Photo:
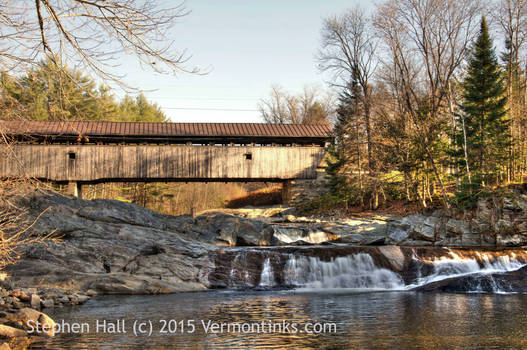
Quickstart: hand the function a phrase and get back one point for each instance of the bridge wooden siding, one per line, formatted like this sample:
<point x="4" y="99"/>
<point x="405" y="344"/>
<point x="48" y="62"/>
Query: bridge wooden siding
<point x="103" y="163"/>
<point x="94" y="152"/>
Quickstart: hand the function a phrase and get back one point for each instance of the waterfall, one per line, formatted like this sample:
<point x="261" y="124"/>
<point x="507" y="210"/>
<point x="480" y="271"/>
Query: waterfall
<point x="455" y="265"/>
<point x="356" y="271"/>
<point x="359" y="270"/>
<point x="239" y="273"/>
<point x="267" y="277"/>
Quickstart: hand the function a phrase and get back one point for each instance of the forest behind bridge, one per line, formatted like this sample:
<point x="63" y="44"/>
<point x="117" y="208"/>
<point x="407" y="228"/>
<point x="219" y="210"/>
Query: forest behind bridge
<point x="429" y="97"/>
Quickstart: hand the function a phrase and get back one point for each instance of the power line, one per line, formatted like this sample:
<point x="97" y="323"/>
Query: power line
<point x="208" y="98"/>
<point x="213" y="109"/>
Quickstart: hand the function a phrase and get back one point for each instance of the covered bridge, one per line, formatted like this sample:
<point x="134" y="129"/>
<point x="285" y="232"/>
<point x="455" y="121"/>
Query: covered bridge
<point x="94" y="152"/>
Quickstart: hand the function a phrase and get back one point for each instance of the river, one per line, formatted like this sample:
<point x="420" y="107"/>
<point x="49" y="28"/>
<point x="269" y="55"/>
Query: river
<point x="321" y="298"/>
<point x="363" y="320"/>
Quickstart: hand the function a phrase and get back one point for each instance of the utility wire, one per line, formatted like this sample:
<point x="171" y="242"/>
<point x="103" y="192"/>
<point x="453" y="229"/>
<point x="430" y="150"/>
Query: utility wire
<point x="213" y="109"/>
<point x="208" y="98"/>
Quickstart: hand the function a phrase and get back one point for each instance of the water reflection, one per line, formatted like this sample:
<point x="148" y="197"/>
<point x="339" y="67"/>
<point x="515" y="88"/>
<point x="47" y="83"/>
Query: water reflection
<point x="364" y="321"/>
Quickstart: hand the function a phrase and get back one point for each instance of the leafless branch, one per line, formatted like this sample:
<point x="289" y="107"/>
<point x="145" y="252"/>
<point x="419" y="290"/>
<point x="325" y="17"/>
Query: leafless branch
<point x="91" y="33"/>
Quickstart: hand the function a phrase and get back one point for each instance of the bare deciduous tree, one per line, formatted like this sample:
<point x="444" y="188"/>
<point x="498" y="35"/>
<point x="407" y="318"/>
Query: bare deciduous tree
<point x="348" y="52"/>
<point x="91" y="34"/>
<point x="15" y="224"/>
<point x="511" y="17"/>
<point x="312" y="106"/>
<point x="427" y="41"/>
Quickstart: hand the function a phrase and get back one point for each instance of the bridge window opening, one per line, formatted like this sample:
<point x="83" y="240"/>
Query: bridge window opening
<point x="248" y="156"/>
<point x="71" y="155"/>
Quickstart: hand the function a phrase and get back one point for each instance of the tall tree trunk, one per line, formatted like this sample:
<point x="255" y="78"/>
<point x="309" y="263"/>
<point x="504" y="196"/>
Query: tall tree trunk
<point x="465" y="148"/>
<point x="453" y="130"/>
<point x="438" y="178"/>
<point x="359" y="165"/>
<point x="374" y="200"/>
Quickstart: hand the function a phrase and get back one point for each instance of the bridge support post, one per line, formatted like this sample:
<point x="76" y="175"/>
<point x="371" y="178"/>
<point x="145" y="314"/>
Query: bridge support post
<point x="75" y="188"/>
<point x="286" y="192"/>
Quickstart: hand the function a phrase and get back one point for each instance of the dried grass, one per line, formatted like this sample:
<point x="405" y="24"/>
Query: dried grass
<point x="15" y="223"/>
<point x="265" y="196"/>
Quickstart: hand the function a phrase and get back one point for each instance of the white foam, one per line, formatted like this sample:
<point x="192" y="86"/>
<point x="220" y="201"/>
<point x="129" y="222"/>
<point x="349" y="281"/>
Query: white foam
<point x="454" y="265"/>
<point x="267" y="278"/>
<point x="356" y="271"/>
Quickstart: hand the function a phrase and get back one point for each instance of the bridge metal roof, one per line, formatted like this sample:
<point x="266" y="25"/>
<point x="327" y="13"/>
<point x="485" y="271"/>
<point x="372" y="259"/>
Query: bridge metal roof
<point x="57" y="131"/>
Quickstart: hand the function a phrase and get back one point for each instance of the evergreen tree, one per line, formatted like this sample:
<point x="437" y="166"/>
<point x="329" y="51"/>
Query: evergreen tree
<point x="484" y="115"/>
<point x="52" y="92"/>
<point x="344" y="159"/>
<point x="10" y="94"/>
<point x="140" y="110"/>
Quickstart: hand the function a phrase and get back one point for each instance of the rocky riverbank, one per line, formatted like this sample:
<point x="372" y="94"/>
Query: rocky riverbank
<point x="21" y="322"/>
<point x="494" y="223"/>
<point x="111" y="247"/>
<point x="21" y="312"/>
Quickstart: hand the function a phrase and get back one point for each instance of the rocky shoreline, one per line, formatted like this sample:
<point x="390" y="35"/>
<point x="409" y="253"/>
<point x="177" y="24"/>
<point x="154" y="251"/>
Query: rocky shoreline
<point x="111" y="247"/>
<point x="493" y="224"/>
<point x="21" y="322"/>
<point x="21" y="310"/>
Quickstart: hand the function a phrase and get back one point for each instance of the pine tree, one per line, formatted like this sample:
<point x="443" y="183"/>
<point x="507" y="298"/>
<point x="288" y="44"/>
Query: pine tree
<point x="140" y="110"/>
<point x="54" y="92"/>
<point x="483" y="113"/>
<point x="344" y="159"/>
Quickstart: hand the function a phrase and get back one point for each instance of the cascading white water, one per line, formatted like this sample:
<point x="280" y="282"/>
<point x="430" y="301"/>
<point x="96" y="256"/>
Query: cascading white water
<point x="454" y="265"/>
<point x="359" y="271"/>
<point x="353" y="271"/>
<point x="267" y="277"/>
<point x="239" y="273"/>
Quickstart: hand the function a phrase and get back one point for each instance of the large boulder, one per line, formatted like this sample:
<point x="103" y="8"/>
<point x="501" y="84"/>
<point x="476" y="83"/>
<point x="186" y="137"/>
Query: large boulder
<point x="36" y="322"/>
<point x="112" y="247"/>
<point x="395" y="257"/>
<point x="421" y="228"/>
<point x="237" y="231"/>
<point x="290" y="234"/>
<point x="397" y="236"/>
<point x="398" y="231"/>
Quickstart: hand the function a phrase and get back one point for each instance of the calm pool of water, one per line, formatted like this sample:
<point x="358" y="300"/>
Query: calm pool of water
<point x="369" y="320"/>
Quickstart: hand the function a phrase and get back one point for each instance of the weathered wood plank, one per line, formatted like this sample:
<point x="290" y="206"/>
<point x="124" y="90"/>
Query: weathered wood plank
<point x="120" y="162"/>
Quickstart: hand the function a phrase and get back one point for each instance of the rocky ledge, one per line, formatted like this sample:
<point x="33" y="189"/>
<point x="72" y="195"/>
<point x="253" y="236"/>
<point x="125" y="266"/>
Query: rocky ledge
<point x="111" y="247"/>
<point x="494" y="223"/>
<point x="507" y="282"/>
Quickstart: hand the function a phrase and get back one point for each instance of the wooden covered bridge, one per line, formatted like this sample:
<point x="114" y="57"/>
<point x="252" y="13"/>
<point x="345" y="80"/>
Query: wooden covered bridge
<point x="94" y="152"/>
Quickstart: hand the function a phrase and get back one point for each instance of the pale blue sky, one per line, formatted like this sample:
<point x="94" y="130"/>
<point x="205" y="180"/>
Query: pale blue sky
<point x="248" y="45"/>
